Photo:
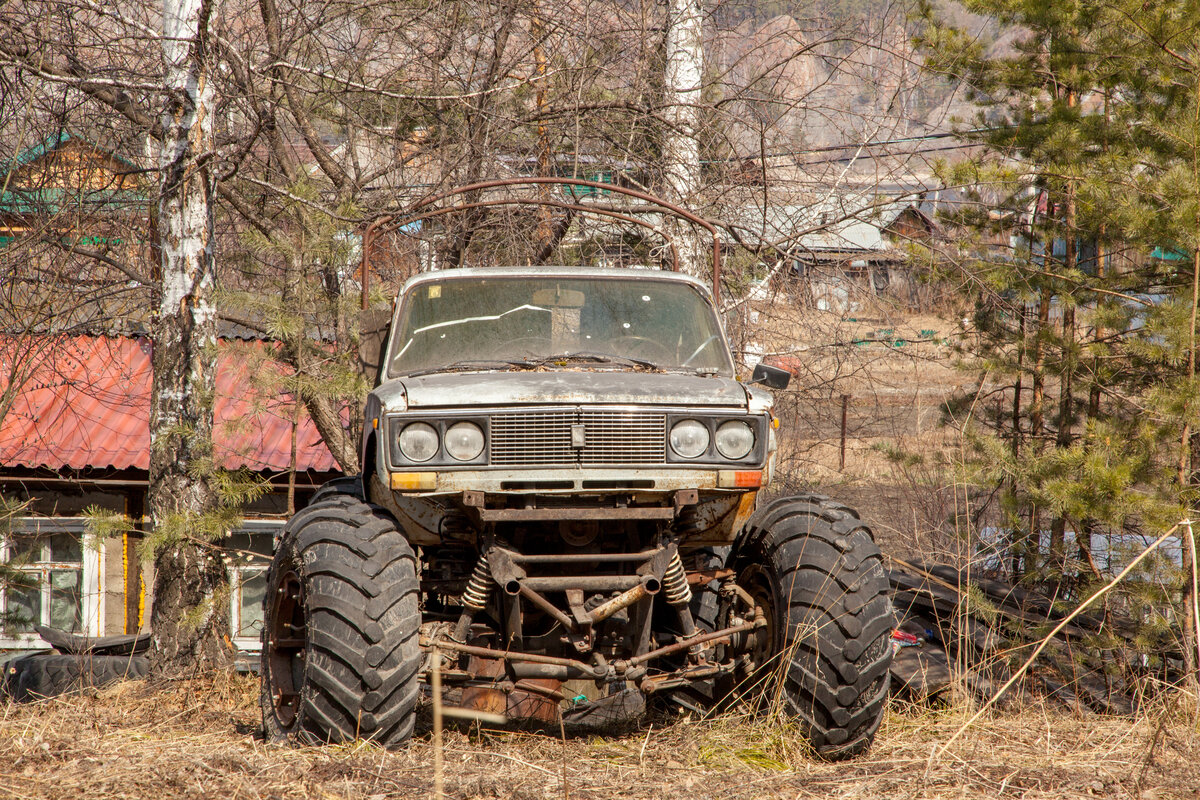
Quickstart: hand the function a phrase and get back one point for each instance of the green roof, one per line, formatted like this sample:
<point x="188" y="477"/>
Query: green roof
<point x="54" y="201"/>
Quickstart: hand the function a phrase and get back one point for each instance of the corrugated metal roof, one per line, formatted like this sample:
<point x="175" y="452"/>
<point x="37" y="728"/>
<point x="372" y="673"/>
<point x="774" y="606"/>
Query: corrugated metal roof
<point x="87" y="404"/>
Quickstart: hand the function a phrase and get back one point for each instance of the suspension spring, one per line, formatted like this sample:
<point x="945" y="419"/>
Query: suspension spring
<point x="479" y="587"/>
<point x="674" y="585"/>
<point x="688" y="523"/>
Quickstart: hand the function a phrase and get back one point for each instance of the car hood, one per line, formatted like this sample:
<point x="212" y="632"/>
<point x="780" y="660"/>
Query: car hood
<point x="554" y="387"/>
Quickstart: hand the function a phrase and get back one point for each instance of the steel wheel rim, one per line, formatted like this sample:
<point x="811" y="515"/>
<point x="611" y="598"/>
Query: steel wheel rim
<point x="288" y="635"/>
<point x="759" y="586"/>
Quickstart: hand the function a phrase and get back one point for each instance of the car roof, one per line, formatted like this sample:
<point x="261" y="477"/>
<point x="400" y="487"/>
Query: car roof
<point x="555" y="271"/>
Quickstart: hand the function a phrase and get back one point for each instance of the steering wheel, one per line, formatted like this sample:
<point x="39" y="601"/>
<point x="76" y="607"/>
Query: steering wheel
<point x="687" y="362"/>
<point x="642" y="348"/>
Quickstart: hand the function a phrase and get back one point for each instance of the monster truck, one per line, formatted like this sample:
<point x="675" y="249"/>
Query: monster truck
<point x="557" y="513"/>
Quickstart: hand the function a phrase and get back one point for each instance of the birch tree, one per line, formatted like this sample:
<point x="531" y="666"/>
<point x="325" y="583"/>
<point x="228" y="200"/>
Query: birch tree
<point x="188" y="619"/>
<point x="684" y="77"/>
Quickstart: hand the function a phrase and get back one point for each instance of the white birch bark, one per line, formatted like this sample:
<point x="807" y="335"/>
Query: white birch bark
<point x="681" y="148"/>
<point x="187" y="617"/>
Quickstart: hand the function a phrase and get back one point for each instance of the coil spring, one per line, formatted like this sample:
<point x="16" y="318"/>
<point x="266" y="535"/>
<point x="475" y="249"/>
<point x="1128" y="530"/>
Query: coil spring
<point x="479" y="586"/>
<point x="688" y="523"/>
<point x="455" y="527"/>
<point x="674" y="585"/>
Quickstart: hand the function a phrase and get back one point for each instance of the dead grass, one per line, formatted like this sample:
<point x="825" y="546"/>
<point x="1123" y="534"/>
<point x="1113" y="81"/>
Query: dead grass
<point x="197" y="739"/>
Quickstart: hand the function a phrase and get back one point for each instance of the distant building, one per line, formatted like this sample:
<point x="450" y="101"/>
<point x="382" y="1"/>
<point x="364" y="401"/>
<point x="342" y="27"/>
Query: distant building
<point x="77" y="437"/>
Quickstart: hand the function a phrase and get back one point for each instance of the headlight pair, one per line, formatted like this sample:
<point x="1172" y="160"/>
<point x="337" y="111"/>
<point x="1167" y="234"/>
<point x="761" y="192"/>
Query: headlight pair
<point x="418" y="441"/>
<point x="690" y="438"/>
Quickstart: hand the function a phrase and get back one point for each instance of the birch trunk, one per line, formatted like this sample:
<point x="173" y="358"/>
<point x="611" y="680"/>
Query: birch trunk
<point x="189" y="617"/>
<point x="681" y="147"/>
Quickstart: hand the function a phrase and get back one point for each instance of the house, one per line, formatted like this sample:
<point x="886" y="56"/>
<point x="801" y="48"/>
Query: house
<point x="68" y="187"/>
<point x="840" y="246"/>
<point x="75" y="441"/>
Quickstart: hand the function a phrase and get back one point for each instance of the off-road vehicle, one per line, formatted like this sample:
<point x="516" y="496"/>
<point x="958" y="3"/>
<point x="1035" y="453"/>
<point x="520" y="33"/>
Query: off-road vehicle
<point x="557" y="512"/>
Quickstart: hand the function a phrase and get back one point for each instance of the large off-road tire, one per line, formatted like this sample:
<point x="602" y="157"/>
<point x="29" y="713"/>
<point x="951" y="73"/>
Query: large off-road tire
<point x="347" y="485"/>
<point x="815" y="569"/>
<point x="41" y="675"/>
<point x="340" y="651"/>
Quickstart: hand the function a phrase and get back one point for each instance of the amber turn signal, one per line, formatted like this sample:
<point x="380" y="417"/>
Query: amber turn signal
<point x="739" y="479"/>
<point x="414" y="481"/>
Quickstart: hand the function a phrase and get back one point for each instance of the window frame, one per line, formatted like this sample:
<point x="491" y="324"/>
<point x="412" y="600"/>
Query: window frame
<point x="91" y="612"/>
<point x="239" y="572"/>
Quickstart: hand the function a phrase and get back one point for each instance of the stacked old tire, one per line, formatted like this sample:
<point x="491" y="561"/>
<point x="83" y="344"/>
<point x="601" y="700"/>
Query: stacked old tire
<point x="816" y="568"/>
<point x="41" y="675"/>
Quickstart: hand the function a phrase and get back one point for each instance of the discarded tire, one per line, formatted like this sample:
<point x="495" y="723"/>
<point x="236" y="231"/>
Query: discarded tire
<point x="42" y="675"/>
<point x="815" y="569"/>
<point x="340" y="652"/>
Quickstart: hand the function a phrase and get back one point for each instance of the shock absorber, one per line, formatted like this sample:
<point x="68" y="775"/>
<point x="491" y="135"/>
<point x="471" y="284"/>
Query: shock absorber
<point x="479" y="586"/>
<point x="675" y="585"/>
<point x="475" y="598"/>
<point x="678" y="593"/>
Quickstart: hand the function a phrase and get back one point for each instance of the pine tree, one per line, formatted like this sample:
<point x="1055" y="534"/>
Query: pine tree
<point x="1093" y="123"/>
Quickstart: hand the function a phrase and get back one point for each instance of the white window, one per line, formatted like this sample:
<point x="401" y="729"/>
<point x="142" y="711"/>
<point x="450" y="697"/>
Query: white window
<point x="249" y="549"/>
<point x="56" y="581"/>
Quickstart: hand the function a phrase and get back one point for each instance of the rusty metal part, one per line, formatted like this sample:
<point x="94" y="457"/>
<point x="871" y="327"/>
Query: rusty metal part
<point x="686" y="497"/>
<point x="414" y="214"/>
<point x="657" y="683"/>
<point x="648" y="587"/>
<point x="532" y="201"/>
<point x="486" y="698"/>
<point x="520" y="669"/>
<point x="543" y="687"/>
<point x="580" y="614"/>
<point x="585" y="558"/>
<point x="541" y="602"/>
<point x="584" y="670"/>
<point x="504" y="570"/>
<point x="573" y="514"/>
<point x="692" y="642"/>
<point x="535" y="698"/>
<point x="588" y="583"/>
<point x="708" y="576"/>
<point x="476" y="505"/>
<point x="745" y="597"/>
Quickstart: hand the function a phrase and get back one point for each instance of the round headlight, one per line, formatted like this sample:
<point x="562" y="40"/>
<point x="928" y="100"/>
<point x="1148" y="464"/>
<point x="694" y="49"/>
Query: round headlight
<point x="689" y="438"/>
<point x="418" y="441"/>
<point x="735" y="439"/>
<point x="464" y="441"/>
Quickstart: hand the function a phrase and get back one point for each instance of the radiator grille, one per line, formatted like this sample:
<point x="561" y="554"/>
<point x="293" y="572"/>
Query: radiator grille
<point x="624" y="437"/>
<point x="610" y="437"/>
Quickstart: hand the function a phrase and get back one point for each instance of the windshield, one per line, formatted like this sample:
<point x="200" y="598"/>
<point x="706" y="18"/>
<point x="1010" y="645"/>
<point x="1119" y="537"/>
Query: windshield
<point x="514" y="322"/>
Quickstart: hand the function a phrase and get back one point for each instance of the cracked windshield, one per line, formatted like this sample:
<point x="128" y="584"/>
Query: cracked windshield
<point x="590" y="322"/>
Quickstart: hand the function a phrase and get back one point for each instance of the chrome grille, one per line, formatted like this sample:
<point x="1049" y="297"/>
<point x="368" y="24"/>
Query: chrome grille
<point x="624" y="437"/>
<point x="534" y="437"/>
<point x="610" y="437"/>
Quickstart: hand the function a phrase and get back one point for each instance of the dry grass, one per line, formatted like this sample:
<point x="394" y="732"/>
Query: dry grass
<point x="198" y="739"/>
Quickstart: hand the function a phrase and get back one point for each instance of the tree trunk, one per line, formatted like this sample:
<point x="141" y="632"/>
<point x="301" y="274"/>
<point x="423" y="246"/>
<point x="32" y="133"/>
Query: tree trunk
<point x="681" y="148"/>
<point x="1066" y="404"/>
<point x="189" y="616"/>
<point x="1037" y="412"/>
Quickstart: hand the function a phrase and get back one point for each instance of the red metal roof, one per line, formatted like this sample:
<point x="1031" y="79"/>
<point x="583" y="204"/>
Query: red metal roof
<point x="87" y="404"/>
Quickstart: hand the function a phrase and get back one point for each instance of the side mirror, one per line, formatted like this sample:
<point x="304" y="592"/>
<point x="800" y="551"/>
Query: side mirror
<point x="771" y="377"/>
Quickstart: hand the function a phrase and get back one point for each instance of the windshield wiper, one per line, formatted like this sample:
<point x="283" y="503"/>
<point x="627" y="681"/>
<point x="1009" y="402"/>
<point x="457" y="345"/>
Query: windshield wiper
<point x="470" y="364"/>
<point x="601" y="358"/>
